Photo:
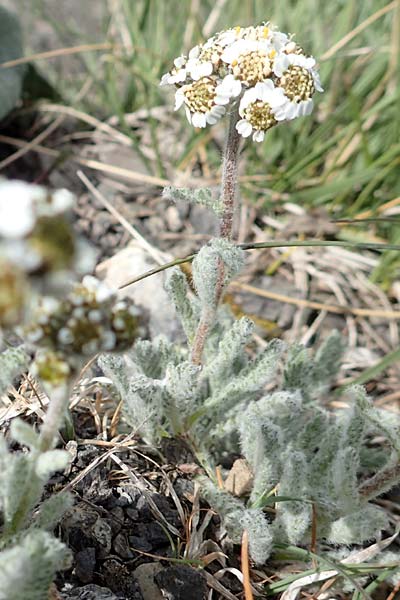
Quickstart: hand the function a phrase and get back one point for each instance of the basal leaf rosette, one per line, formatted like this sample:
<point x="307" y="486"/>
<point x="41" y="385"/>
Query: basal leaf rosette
<point x="258" y="70"/>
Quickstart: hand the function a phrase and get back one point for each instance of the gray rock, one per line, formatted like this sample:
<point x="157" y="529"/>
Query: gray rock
<point x="181" y="582"/>
<point x="145" y="575"/>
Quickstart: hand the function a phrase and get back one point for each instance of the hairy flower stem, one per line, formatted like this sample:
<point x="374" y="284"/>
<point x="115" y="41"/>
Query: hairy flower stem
<point x="54" y="415"/>
<point x="207" y="318"/>
<point x="228" y="196"/>
<point x="229" y="176"/>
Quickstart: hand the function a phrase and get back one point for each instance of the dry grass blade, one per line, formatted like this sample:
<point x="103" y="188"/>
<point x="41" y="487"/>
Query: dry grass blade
<point x="354" y="32"/>
<point x="393" y="593"/>
<point x="218" y="587"/>
<point x="248" y="594"/>
<point x="97" y="461"/>
<point x="31" y="145"/>
<point x="89" y="119"/>
<point x="154" y="253"/>
<point x="153" y="506"/>
<point x="55" y="53"/>
<point x="333" y="308"/>
<point x="96" y="165"/>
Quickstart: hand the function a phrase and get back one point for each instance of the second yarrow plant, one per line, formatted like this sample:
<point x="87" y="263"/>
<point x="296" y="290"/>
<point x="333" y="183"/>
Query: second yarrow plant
<point x="312" y="466"/>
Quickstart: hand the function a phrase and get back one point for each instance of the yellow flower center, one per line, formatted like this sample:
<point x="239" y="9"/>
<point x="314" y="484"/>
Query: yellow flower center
<point x="251" y="67"/>
<point x="199" y="96"/>
<point x="260" y="116"/>
<point x="297" y="83"/>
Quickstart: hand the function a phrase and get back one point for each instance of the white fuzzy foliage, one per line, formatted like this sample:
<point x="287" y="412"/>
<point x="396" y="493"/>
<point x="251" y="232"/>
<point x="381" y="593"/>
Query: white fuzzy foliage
<point x="236" y="517"/>
<point x="314" y="459"/>
<point x="359" y="526"/>
<point x="208" y="197"/>
<point x="23" y="476"/>
<point x="13" y="362"/>
<point x="178" y="290"/>
<point x="206" y="269"/>
<point x="28" y="568"/>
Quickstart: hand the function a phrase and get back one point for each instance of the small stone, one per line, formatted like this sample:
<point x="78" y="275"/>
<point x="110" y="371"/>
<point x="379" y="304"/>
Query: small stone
<point x="145" y="575"/>
<point x="85" y="562"/>
<point x="121" y="547"/>
<point x="102" y="533"/>
<point x="139" y="543"/>
<point x="240" y="478"/>
<point x="181" y="582"/>
<point x="132" y="513"/>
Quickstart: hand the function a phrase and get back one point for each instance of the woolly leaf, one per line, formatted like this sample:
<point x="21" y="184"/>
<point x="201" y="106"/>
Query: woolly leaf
<point x="344" y="478"/>
<point x="24" y="434"/>
<point x="297" y="374"/>
<point x="327" y="359"/>
<point x="28" y="568"/>
<point x="207" y="273"/>
<point x="178" y="290"/>
<point x="144" y="407"/>
<point x="13" y="361"/>
<point x="250" y="382"/>
<point x="384" y="421"/>
<point x="230" y="356"/>
<point x="208" y="197"/>
<point x="358" y="527"/>
<point x="51" y="510"/>
<point x="153" y="357"/>
<point x="16" y="483"/>
<point x="294" y="516"/>
<point x="259" y="531"/>
<point x="49" y="462"/>
<point x="181" y="384"/>
<point x="114" y="367"/>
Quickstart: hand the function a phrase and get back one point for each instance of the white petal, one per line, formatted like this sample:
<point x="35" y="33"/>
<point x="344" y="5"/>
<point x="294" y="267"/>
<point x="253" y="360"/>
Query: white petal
<point x="281" y="63"/>
<point x="308" y="106"/>
<point x="179" y="98"/>
<point x="277" y="98"/>
<point x="292" y="110"/>
<point x="194" y="52"/>
<point x="248" y="97"/>
<point x="258" y="136"/>
<point x="180" y="61"/>
<point x="17" y="216"/>
<point x="165" y="79"/>
<point x="178" y="77"/>
<point x="215" y="114"/>
<point x="188" y="114"/>
<point x="317" y="81"/>
<point x="199" y="120"/>
<point x="244" y="128"/>
<point x="280" y="113"/>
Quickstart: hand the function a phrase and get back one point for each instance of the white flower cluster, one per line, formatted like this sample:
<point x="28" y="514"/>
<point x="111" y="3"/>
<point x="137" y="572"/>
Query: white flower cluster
<point x="262" y="69"/>
<point x="90" y="319"/>
<point x="37" y="245"/>
<point x="34" y="233"/>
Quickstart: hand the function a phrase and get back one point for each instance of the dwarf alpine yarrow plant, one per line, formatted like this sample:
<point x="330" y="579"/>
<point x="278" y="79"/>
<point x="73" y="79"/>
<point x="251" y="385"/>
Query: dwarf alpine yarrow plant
<point x="262" y="70"/>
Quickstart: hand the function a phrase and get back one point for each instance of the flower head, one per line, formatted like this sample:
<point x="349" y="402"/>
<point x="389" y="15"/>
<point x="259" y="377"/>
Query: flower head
<point x="259" y="109"/>
<point x="201" y="102"/>
<point x="89" y="320"/>
<point x="259" y="69"/>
